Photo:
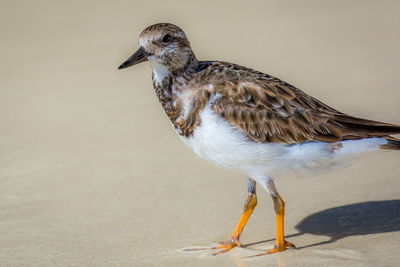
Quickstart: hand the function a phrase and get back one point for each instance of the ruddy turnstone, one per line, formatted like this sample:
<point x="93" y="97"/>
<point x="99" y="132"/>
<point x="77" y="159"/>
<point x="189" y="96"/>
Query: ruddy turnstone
<point x="246" y="120"/>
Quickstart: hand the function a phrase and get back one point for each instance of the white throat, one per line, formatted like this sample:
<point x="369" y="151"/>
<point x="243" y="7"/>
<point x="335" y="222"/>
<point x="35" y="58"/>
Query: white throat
<point x="160" y="72"/>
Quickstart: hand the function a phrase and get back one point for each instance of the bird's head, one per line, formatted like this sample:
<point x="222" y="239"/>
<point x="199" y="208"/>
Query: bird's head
<point x="165" y="46"/>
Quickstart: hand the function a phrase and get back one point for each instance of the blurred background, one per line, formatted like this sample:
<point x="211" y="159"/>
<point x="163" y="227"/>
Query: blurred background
<point x="92" y="173"/>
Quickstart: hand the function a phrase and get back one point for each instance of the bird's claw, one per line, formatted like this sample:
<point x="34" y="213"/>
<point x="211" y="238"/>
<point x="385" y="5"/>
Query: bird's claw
<point x="277" y="248"/>
<point x="227" y="245"/>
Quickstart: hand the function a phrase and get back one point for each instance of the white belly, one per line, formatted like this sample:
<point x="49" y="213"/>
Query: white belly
<point x="222" y="144"/>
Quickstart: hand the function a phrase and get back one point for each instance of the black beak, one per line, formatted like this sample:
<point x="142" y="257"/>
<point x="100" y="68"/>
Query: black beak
<point x="139" y="56"/>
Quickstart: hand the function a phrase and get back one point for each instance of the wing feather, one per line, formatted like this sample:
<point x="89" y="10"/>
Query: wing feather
<point x="268" y="109"/>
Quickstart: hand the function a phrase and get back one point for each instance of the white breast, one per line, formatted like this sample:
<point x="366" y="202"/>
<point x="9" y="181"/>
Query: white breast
<point x="224" y="145"/>
<point x="219" y="142"/>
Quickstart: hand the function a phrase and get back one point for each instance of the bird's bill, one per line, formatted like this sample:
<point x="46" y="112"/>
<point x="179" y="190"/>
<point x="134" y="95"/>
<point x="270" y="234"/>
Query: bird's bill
<point x="139" y="56"/>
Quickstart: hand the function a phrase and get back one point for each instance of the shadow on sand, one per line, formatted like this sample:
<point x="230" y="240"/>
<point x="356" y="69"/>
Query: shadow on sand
<point x="357" y="219"/>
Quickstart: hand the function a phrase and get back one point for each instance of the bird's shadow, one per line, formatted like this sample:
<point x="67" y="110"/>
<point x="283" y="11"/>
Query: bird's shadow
<point x="364" y="218"/>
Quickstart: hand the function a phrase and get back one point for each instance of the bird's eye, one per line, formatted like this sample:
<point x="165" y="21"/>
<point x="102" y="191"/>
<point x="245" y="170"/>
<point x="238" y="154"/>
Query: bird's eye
<point x="166" y="39"/>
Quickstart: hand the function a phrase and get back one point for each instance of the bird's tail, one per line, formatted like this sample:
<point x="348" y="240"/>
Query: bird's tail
<point x="392" y="144"/>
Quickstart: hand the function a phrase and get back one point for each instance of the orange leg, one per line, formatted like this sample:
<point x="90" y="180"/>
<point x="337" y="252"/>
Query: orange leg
<point x="279" y="205"/>
<point x="280" y="243"/>
<point x="233" y="241"/>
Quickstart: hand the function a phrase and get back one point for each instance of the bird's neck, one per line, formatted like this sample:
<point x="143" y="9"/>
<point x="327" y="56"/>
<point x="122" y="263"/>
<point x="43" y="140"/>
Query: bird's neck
<point x="189" y="66"/>
<point x="170" y="81"/>
<point x="161" y="75"/>
<point x="183" y="66"/>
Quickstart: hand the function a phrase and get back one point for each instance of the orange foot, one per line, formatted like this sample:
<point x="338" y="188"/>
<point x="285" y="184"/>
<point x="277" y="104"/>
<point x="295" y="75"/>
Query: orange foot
<point x="277" y="248"/>
<point x="227" y="245"/>
<point x="281" y="247"/>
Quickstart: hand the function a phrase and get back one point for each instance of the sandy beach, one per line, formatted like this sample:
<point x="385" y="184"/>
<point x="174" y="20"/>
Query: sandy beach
<point x="93" y="174"/>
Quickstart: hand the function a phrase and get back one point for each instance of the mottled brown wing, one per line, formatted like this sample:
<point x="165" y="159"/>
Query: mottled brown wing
<point x="267" y="109"/>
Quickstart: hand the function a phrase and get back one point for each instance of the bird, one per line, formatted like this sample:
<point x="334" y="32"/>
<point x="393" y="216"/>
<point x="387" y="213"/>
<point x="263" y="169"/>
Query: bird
<point x="245" y="120"/>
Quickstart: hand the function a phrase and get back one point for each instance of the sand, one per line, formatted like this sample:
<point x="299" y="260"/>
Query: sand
<point x="92" y="174"/>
